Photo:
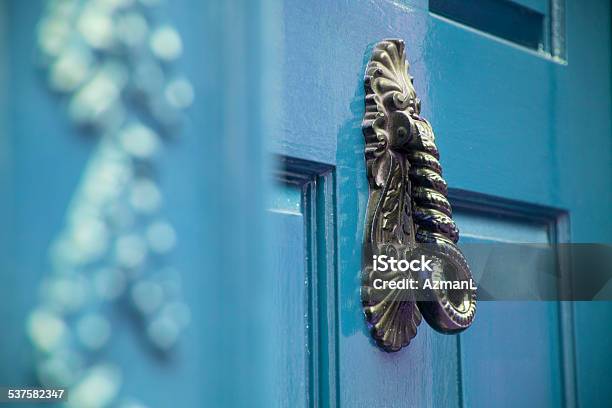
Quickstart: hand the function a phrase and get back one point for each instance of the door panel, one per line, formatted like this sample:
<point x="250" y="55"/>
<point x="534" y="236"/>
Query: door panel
<point x="292" y="280"/>
<point x="513" y="353"/>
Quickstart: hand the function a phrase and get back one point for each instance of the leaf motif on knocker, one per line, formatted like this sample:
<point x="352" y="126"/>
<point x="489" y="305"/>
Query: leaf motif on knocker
<point x="408" y="210"/>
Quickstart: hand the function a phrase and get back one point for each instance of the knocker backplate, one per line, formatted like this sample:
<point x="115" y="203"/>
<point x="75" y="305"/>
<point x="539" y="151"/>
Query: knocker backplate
<point x="408" y="209"/>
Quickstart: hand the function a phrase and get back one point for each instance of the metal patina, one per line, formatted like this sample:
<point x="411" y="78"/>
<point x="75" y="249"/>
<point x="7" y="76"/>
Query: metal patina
<point x="408" y="209"/>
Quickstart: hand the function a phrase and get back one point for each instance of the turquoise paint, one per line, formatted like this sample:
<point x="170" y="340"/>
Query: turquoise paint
<point x="510" y="123"/>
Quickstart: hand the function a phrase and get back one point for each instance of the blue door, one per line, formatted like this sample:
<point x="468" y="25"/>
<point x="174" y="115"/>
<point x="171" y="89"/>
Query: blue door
<point x="518" y="94"/>
<point x="231" y="292"/>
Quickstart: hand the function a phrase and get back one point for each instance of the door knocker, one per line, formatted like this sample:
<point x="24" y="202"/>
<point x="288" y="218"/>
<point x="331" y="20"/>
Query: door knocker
<point x="408" y="215"/>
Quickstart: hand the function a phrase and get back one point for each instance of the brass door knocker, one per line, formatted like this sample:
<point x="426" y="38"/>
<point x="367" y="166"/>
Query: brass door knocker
<point x="408" y="211"/>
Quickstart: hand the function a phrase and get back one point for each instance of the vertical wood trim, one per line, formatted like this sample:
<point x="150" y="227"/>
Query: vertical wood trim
<point x="309" y="204"/>
<point x="327" y="290"/>
<point x="319" y="207"/>
<point x="241" y="57"/>
<point x="557" y="29"/>
<point x="461" y="385"/>
<point x="566" y="322"/>
<point x="7" y="204"/>
<point x="5" y="146"/>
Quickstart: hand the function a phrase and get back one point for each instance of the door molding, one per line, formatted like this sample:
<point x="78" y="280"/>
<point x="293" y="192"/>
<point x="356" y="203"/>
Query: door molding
<point x="317" y="182"/>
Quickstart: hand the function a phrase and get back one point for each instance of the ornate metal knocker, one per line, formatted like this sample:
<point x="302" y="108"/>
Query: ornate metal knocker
<point x="408" y="210"/>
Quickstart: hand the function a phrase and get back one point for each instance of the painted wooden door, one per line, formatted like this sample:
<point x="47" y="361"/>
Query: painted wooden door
<point x="518" y="94"/>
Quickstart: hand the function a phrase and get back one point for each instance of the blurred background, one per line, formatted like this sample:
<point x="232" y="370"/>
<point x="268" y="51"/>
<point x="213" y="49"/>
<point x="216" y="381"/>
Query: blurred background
<point x="131" y="177"/>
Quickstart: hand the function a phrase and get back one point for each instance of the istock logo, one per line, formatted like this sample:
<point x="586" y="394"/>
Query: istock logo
<point x="383" y="263"/>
